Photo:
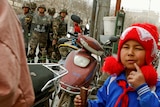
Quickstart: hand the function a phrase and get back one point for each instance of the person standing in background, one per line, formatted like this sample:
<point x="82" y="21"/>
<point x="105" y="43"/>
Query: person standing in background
<point x="16" y="88"/>
<point x="33" y="7"/>
<point x="59" y="27"/>
<point x="50" y="48"/>
<point x="26" y="19"/>
<point x="40" y="29"/>
<point x="77" y="28"/>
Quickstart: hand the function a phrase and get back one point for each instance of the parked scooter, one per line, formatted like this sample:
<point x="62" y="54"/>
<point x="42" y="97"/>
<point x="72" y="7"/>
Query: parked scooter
<point x="108" y="46"/>
<point x="82" y="66"/>
<point x="45" y="79"/>
<point x="66" y="45"/>
<point x="86" y="29"/>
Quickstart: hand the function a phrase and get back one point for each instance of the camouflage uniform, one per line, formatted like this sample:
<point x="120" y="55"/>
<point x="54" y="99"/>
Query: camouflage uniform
<point x="33" y="12"/>
<point x="33" y="6"/>
<point x="50" y="48"/>
<point x="51" y="12"/>
<point x="59" y="27"/>
<point x="40" y="24"/>
<point x="26" y="19"/>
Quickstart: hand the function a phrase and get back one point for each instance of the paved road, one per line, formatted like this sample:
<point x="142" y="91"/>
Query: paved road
<point x="56" y="102"/>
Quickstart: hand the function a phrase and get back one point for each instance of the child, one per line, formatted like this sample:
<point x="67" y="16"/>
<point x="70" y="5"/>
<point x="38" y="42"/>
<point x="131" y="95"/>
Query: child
<point x="133" y="81"/>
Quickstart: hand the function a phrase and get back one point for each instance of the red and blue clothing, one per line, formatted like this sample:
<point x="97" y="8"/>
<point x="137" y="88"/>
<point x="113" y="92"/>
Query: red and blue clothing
<point x="143" y="96"/>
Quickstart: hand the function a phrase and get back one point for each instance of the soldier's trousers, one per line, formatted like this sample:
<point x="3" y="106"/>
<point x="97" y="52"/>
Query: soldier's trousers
<point x="26" y="41"/>
<point x="41" y="39"/>
<point x="53" y="53"/>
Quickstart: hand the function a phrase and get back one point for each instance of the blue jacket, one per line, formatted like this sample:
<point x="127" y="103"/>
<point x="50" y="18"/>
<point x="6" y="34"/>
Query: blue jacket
<point x="143" y="96"/>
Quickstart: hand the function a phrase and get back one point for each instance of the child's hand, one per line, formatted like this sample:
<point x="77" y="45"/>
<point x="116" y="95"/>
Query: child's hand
<point x="136" y="78"/>
<point x="77" y="101"/>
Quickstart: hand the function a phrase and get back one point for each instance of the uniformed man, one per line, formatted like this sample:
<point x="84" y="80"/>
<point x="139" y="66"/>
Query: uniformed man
<point x="39" y="26"/>
<point x="33" y="11"/>
<point x="25" y="20"/>
<point x="59" y="24"/>
<point x="59" y="30"/>
<point x="51" y="13"/>
<point x="33" y="6"/>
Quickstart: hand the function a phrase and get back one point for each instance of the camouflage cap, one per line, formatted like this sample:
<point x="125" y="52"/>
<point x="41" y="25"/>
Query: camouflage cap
<point x="33" y="5"/>
<point x="25" y="4"/>
<point x="42" y="6"/>
<point x="51" y="10"/>
<point x="63" y="11"/>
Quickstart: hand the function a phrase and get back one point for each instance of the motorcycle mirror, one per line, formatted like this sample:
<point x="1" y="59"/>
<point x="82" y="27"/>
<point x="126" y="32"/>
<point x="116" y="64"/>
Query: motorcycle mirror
<point x="62" y="40"/>
<point x="87" y="26"/>
<point x="114" y="38"/>
<point x="68" y="36"/>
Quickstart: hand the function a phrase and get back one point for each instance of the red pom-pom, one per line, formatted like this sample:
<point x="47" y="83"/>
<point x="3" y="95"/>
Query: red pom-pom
<point x="112" y="66"/>
<point x="150" y="75"/>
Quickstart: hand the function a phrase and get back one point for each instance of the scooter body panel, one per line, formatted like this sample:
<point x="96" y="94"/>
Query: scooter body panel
<point x="78" y="76"/>
<point x="90" y="44"/>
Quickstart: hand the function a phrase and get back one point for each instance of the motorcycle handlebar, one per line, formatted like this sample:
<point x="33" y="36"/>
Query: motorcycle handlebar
<point x="73" y="34"/>
<point x="113" y="38"/>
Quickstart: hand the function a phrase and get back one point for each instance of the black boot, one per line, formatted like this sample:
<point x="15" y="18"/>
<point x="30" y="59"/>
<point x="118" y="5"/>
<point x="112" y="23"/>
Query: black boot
<point x="39" y="61"/>
<point x="32" y="61"/>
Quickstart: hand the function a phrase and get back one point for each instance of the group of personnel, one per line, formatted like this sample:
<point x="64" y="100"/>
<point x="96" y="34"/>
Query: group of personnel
<point x="42" y="29"/>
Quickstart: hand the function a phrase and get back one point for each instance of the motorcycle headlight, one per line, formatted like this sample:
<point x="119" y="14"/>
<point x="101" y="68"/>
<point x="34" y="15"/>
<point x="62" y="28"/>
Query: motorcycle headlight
<point x="68" y="35"/>
<point x="81" y="61"/>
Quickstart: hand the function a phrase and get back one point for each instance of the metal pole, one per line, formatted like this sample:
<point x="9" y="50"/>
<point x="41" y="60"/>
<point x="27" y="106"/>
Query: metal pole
<point x="118" y="5"/>
<point x="103" y="9"/>
<point x="149" y="9"/>
<point x="92" y="23"/>
<point x="69" y="15"/>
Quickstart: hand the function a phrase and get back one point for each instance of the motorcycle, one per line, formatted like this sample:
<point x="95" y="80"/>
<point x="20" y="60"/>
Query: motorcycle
<point x="108" y="45"/>
<point x="45" y="79"/>
<point x="86" y="29"/>
<point x="66" y="45"/>
<point x="83" y="65"/>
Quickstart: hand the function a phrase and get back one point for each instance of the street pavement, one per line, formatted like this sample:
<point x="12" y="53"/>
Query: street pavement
<point x="56" y="102"/>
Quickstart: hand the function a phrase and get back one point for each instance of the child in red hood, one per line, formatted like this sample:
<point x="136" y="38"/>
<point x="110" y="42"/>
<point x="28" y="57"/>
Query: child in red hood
<point x="133" y="81"/>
